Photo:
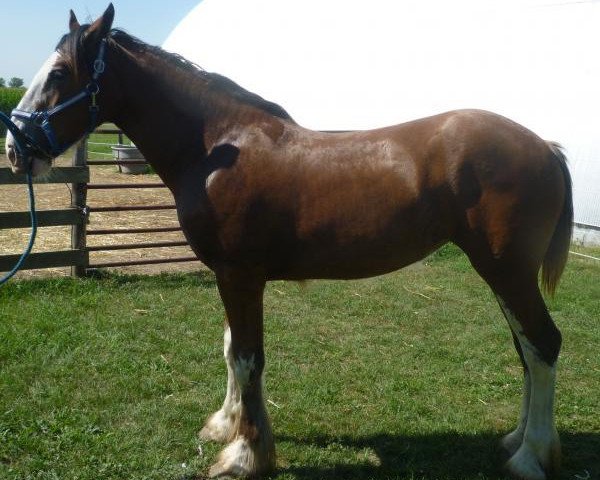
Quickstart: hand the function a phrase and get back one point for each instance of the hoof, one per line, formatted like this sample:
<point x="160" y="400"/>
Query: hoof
<point x="240" y="460"/>
<point x="525" y="464"/>
<point x="220" y="427"/>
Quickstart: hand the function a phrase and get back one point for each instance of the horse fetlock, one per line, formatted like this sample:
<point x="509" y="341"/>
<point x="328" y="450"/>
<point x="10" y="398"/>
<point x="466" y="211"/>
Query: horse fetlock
<point x="536" y="461"/>
<point x="221" y="426"/>
<point x="512" y="441"/>
<point x="245" y="459"/>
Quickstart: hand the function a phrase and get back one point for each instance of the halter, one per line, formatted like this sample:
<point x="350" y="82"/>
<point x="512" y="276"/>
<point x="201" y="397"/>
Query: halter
<point x="41" y="119"/>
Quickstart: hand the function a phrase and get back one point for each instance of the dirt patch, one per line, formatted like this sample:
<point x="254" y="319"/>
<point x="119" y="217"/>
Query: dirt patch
<point x="14" y="198"/>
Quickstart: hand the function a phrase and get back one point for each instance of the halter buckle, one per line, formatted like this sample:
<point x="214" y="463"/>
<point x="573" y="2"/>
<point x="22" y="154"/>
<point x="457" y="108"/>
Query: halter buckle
<point x="99" y="66"/>
<point x="93" y="88"/>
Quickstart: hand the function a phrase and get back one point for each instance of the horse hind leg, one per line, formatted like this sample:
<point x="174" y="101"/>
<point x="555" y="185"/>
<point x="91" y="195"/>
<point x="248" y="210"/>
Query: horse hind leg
<point x="222" y="425"/>
<point x="534" y="445"/>
<point x="512" y="441"/>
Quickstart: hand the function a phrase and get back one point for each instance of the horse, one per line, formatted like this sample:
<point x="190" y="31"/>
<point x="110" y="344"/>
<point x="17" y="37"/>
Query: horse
<point x="261" y="198"/>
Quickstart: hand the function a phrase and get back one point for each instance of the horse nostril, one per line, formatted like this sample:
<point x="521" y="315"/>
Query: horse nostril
<point x="11" y="154"/>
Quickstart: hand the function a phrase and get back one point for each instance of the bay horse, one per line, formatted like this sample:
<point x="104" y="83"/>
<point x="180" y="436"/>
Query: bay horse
<point x="261" y="198"/>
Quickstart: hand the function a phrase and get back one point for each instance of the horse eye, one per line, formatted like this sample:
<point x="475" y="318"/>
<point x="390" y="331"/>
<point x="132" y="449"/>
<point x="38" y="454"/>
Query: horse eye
<point x="57" y="74"/>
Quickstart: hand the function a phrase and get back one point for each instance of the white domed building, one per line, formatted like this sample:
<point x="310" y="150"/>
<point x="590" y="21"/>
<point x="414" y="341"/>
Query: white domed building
<point x="349" y="64"/>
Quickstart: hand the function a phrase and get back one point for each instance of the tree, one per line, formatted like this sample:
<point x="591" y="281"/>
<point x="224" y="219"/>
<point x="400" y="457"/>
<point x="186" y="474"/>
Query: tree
<point x="15" y="82"/>
<point x="2" y="83"/>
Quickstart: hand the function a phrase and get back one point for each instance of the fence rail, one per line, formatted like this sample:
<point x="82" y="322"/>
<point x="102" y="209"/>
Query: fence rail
<point x="77" y="174"/>
<point x="132" y="246"/>
<point x="116" y="162"/>
<point x="45" y="218"/>
<point x="74" y="217"/>
<point x="80" y="215"/>
<point x="65" y="258"/>
<point x="121" y="231"/>
<point x="109" y="186"/>
<point x="131" y="208"/>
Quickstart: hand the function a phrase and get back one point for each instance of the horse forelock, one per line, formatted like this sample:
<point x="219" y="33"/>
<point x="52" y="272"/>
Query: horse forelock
<point x="72" y="50"/>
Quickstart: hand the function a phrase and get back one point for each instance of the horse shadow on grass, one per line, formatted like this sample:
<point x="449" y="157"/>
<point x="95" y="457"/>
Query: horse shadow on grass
<point x="450" y="456"/>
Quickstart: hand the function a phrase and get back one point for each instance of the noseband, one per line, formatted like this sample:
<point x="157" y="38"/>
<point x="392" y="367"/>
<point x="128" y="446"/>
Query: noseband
<point x="41" y="119"/>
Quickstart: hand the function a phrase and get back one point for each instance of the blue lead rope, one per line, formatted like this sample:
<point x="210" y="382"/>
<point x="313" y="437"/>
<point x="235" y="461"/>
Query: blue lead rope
<point x="14" y="129"/>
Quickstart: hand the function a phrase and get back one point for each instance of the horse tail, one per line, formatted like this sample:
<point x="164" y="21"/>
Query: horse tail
<point x="558" y="250"/>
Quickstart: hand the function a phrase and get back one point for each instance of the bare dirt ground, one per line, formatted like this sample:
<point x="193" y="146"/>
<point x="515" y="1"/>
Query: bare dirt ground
<point x="14" y="198"/>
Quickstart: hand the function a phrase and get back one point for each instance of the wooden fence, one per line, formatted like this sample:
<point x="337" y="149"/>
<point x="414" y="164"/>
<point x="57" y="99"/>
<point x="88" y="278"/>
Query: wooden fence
<point x="77" y="257"/>
<point x="77" y="216"/>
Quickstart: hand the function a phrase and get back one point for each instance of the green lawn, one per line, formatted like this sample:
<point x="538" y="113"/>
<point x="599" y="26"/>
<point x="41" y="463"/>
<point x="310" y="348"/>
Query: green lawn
<point x="103" y="152"/>
<point x="408" y="376"/>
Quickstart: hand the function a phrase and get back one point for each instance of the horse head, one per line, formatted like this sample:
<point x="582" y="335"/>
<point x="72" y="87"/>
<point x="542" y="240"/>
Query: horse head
<point x="62" y="103"/>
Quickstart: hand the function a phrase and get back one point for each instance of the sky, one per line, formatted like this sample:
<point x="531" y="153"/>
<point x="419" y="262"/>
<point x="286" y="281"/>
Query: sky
<point x="31" y="28"/>
<point x="350" y="64"/>
<point x="359" y="64"/>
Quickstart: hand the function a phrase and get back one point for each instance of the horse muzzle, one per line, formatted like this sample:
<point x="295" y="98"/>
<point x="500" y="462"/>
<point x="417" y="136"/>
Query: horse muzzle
<point x="29" y="160"/>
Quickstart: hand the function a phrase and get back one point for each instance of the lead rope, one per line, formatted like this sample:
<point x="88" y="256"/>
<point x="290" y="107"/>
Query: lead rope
<point x="14" y="129"/>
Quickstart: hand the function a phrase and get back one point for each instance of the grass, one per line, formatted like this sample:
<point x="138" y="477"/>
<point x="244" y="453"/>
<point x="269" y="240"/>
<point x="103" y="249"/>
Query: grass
<point x="104" y="152"/>
<point x="407" y="376"/>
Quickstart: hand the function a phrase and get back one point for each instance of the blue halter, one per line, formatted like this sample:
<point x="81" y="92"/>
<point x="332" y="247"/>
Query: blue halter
<point x="42" y="119"/>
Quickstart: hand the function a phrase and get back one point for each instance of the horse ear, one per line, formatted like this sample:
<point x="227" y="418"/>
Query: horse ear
<point x="73" y="22"/>
<point x="100" y="28"/>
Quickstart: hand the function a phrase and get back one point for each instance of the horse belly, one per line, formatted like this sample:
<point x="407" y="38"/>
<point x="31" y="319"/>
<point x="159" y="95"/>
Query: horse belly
<point x="371" y="245"/>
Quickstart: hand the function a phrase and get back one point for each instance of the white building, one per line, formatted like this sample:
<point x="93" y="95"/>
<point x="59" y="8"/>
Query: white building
<point x="350" y="64"/>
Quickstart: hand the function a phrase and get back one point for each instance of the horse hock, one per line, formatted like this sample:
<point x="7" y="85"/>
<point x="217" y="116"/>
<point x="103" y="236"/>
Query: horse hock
<point x="534" y="446"/>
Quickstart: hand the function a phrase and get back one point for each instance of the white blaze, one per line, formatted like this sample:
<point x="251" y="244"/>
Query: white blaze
<point x="34" y="91"/>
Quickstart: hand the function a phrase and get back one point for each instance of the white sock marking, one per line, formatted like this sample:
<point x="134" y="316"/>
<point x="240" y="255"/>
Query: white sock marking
<point x="539" y="436"/>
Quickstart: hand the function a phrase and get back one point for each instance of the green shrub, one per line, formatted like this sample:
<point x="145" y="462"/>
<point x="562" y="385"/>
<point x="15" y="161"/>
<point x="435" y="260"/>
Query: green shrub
<point x="9" y="98"/>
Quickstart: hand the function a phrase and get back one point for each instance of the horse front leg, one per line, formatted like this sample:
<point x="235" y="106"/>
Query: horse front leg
<point x="251" y="449"/>
<point x="222" y="425"/>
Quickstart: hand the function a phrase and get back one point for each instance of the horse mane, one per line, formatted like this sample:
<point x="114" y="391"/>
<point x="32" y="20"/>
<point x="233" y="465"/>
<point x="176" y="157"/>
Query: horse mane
<point x="72" y="46"/>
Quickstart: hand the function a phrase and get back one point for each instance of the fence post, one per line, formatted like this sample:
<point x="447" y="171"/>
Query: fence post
<point x="78" y="201"/>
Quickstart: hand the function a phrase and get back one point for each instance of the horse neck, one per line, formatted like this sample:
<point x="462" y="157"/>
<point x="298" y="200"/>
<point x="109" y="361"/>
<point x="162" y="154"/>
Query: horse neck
<point x="169" y="114"/>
